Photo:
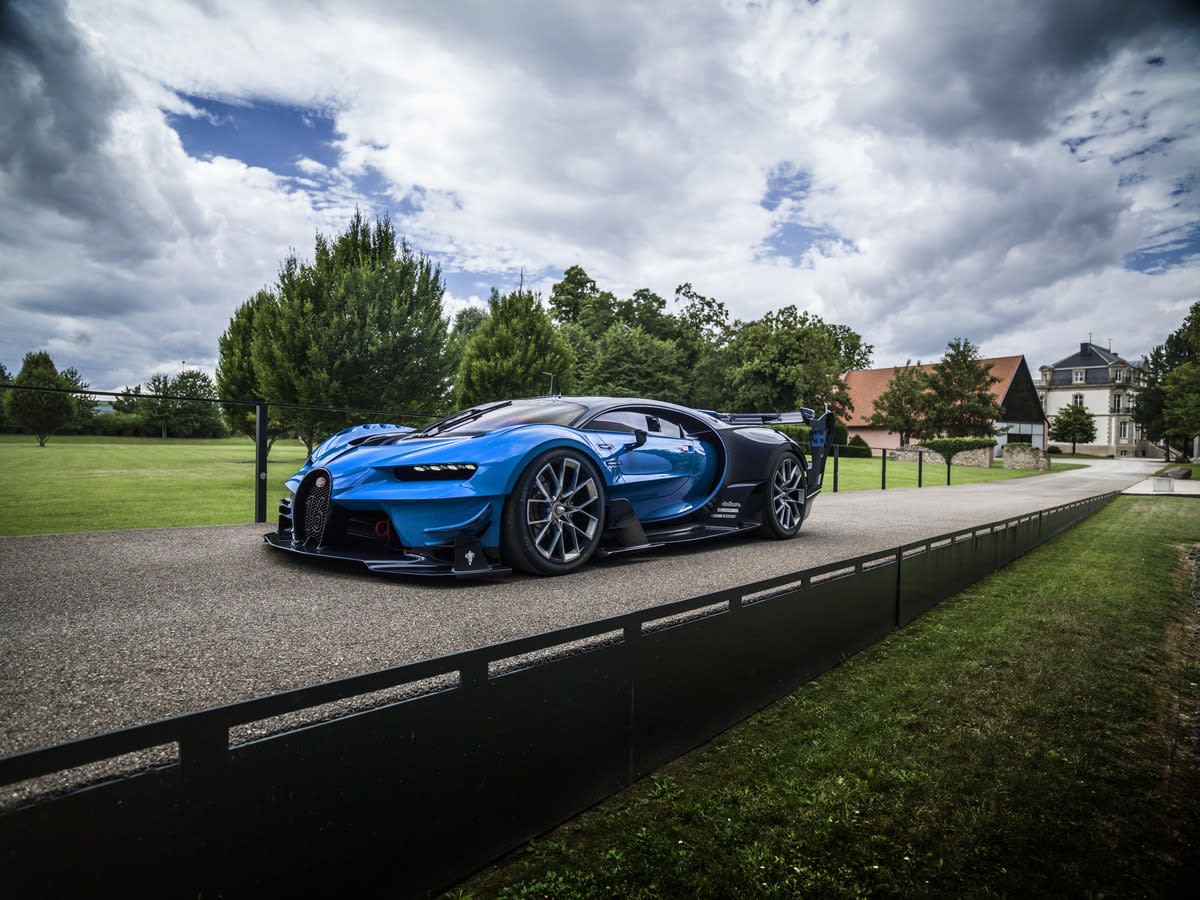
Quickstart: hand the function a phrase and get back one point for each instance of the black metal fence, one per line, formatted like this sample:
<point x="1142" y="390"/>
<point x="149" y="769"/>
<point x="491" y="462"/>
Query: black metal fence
<point x="411" y="796"/>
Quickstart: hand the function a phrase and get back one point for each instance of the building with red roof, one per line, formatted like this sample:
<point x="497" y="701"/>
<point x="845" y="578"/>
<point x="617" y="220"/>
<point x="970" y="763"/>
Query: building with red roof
<point x="1023" y="420"/>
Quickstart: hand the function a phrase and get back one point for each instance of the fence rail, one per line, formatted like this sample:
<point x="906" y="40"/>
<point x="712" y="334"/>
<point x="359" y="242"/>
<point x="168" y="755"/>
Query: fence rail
<point x="412" y="795"/>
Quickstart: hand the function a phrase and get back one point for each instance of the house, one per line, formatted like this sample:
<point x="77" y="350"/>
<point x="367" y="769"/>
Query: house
<point x="1105" y="384"/>
<point x="1023" y="422"/>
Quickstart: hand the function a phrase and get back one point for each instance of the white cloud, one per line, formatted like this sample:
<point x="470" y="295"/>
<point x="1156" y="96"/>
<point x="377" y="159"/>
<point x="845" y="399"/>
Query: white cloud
<point x="952" y="164"/>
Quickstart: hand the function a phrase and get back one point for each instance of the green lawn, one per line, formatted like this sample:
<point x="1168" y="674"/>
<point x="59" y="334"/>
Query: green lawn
<point x="84" y="483"/>
<point x="81" y="483"/>
<point x="1033" y="736"/>
<point x="861" y="474"/>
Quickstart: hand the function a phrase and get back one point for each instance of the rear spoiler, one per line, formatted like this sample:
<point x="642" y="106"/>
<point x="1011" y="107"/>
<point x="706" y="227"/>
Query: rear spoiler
<point x="821" y="441"/>
<point x="802" y="416"/>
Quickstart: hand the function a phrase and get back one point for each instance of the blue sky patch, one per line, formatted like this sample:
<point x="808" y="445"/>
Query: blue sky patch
<point x="792" y="240"/>
<point x="267" y="135"/>
<point x="785" y="182"/>
<point x="1165" y="250"/>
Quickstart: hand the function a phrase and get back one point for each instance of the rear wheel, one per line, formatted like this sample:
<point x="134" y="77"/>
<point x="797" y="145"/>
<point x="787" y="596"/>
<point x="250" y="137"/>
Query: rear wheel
<point x="554" y="518"/>
<point x="784" y="513"/>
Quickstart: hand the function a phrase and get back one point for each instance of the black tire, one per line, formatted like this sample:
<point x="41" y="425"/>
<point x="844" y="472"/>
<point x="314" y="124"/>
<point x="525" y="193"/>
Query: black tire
<point x="555" y="516"/>
<point x="783" y="511"/>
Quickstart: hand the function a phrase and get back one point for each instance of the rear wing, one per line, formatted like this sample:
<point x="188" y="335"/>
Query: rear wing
<point x="821" y="441"/>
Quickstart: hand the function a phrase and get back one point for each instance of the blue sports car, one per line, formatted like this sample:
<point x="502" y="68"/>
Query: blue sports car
<point x="544" y="484"/>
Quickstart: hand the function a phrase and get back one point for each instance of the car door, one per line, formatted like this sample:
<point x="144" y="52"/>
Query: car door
<point x="657" y="472"/>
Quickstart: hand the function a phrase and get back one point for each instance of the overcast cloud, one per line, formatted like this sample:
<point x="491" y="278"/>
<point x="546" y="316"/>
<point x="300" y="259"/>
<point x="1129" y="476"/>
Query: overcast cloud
<point x="1022" y="174"/>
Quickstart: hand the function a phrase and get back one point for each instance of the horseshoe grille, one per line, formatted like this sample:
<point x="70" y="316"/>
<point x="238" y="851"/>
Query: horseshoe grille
<point x="312" y="501"/>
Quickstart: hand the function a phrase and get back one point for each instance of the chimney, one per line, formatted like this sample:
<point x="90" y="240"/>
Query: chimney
<point x="1085" y="349"/>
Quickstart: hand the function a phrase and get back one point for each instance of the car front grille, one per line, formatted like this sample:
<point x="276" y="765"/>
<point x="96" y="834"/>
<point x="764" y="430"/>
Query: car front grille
<point x="313" y="506"/>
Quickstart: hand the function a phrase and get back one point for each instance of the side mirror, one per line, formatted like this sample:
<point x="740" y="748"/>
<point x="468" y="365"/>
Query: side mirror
<point x="639" y="438"/>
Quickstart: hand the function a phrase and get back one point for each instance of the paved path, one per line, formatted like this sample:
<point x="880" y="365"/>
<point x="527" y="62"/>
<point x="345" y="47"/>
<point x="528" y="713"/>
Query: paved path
<point x="104" y="630"/>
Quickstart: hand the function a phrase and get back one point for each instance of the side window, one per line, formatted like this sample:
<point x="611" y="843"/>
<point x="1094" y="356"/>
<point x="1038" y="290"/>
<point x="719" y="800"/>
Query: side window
<point x="626" y="420"/>
<point x="665" y="427"/>
<point x="618" y="420"/>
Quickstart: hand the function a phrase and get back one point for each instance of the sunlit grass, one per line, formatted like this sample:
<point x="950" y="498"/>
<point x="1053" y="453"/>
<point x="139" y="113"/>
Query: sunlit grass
<point x="84" y="483"/>
<point x="862" y="474"/>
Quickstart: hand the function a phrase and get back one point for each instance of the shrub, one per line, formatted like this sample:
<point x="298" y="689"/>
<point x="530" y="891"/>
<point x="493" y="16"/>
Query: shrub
<point x="122" y="425"/>
<point x="856" y="448"/>
<point x="1054" y="449"/>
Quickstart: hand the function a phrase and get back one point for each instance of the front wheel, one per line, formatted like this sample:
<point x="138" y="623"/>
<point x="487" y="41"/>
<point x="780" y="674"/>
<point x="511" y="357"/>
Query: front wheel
<point x="784" y="513"/>
<point x="554" y="518"/>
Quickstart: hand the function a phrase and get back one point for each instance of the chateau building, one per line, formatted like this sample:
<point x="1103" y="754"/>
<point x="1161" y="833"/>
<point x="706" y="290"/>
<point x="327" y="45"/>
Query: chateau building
<point x="1104" y="384"/>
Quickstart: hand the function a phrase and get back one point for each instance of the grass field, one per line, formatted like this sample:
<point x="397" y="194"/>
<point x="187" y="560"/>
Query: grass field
<point x="83" y="483"/>
<point x="1032" y="736"/>
<point x="97" y="484"/>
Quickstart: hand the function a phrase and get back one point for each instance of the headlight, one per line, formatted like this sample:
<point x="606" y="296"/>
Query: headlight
<point x="435" y="472"/>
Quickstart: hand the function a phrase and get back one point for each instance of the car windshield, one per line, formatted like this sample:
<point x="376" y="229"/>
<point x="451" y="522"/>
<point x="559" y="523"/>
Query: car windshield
<point x="493" y="417"/>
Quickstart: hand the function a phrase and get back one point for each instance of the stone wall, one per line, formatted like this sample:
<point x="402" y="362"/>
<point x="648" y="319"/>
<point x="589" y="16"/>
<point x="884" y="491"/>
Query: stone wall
<point x="979" y="459"/>
<point x="1025" y="456"/>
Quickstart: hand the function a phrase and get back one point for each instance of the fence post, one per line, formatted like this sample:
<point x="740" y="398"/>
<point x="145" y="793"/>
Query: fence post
<point x="835" y="467"/>
<point x="260" y="462"/>
<point x="920" y="463"/>
<point x="947" y="470"/>
<point x="883" y="477"/>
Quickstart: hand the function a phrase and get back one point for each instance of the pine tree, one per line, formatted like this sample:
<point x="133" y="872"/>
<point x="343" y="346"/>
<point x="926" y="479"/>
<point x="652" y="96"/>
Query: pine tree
<point x="360" y="327"/>
<point x="513" y="353"/>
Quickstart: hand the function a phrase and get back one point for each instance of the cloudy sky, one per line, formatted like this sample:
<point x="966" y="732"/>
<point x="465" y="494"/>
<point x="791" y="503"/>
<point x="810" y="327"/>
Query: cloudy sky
<point x="1021" y="174"/>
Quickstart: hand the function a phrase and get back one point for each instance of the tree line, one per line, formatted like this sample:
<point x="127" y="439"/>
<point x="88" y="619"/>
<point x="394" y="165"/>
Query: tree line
<point x="58" y="402"/>
<point x="362" y="327"/>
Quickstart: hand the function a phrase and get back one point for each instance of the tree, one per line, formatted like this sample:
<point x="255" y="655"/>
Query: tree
<point x="902" y="408"/>
<point x="789" y="358"/>
<point x="1074" y="425"/>
<point x="40" y="412"/>
<point x="629" y="362"/>
<point x="194" y="413"/>
<point x="961" y="403"/>
<point x="466" y="322"/>
<point x="513" y="353"/>
<point x="158" y="409"/>
<point x="85" y="405"/>
<point x="704" y="331"/>
<point x="130" y="400"/>
<point x="1180" y="348"/>
<point x="359" y="327"/>
<point x="1181" y="409"/>
<point x="235" y="366"/>
<point x="6" y="377"/>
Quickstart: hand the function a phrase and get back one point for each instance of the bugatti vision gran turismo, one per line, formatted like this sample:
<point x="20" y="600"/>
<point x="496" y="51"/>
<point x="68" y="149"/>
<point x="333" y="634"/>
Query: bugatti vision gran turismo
<point x="545" y="484"/>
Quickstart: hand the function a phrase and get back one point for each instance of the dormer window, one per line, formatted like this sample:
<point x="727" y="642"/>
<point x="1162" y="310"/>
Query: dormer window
<point x="1079" y="376"/>
<point x="1119" y="376"/>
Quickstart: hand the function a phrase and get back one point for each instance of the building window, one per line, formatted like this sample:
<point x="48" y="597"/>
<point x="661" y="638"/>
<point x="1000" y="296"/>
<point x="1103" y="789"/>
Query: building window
<point x="1079" y="376"/>
<point x="1116" y="403"/>
<point x="1119" y="376"/>
<point x="1077" y="399"/>
<point x="1124" y="431"/>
